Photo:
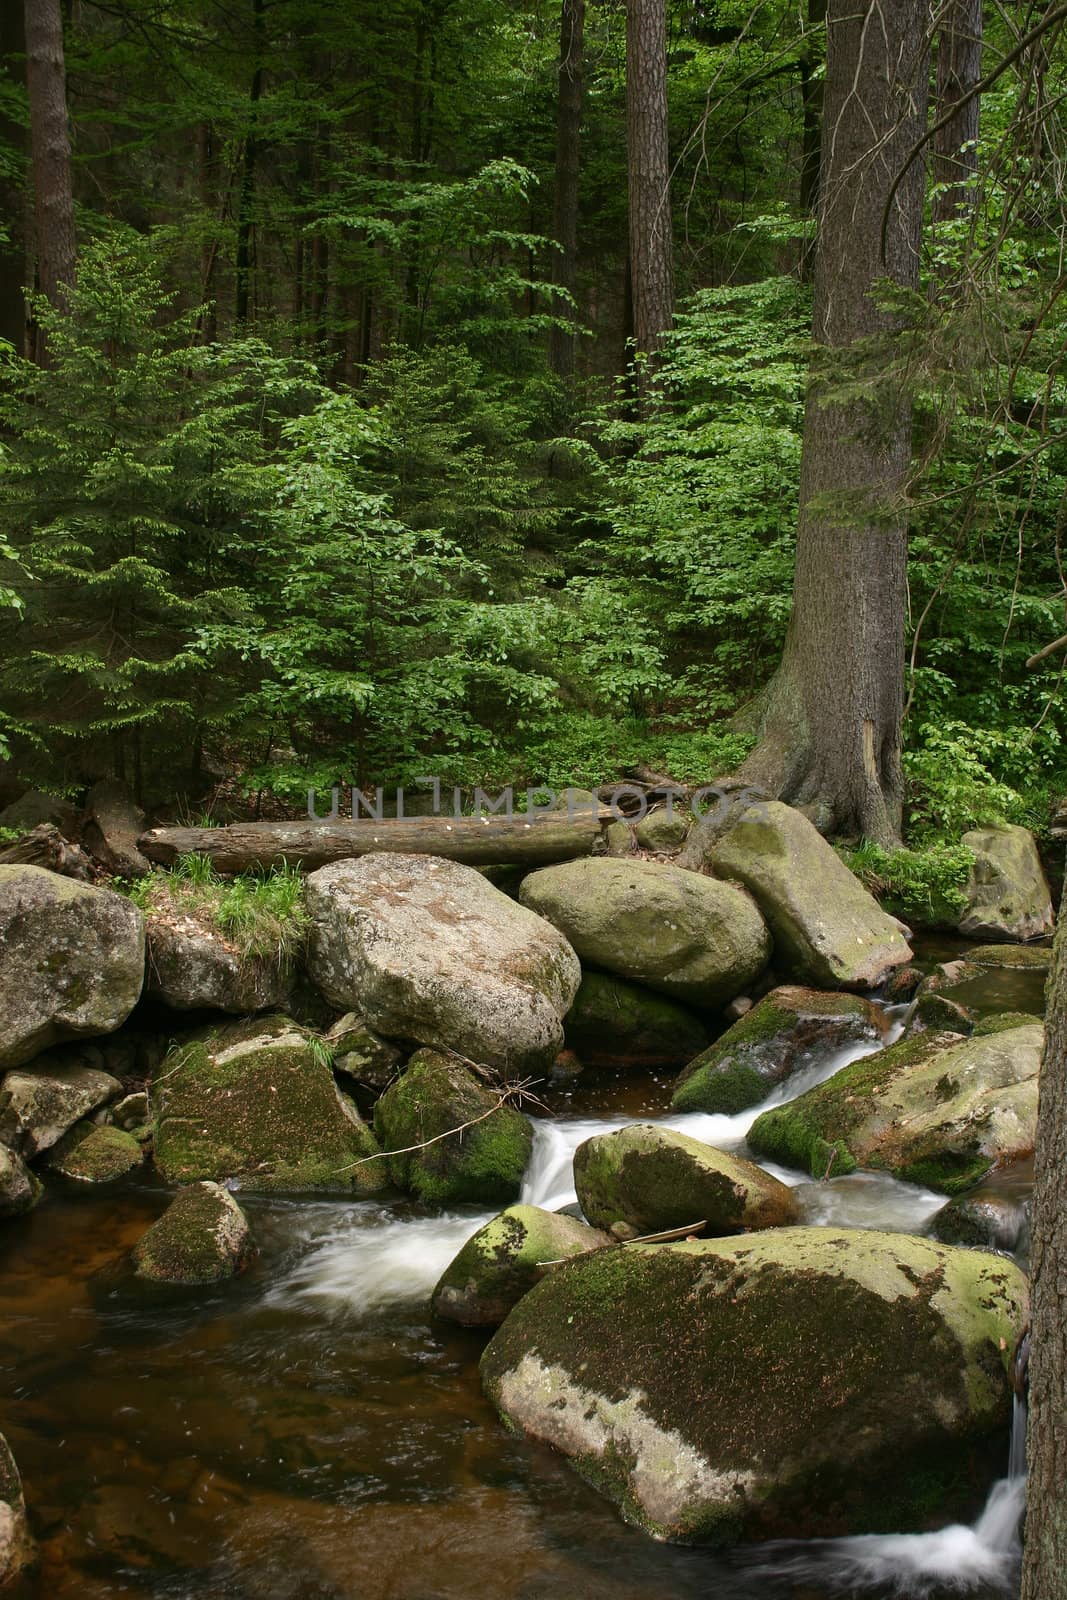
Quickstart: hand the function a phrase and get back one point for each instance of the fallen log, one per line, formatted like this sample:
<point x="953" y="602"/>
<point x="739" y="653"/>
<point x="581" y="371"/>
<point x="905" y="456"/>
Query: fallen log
<point x="477" y="841"/>
<point x="44" y="846"/>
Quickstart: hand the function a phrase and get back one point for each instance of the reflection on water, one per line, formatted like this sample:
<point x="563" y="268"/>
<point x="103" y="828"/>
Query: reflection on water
<point x="307" y="1433"/>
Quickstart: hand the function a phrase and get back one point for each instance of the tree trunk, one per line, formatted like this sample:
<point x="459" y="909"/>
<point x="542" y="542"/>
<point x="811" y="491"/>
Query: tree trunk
<point x="648" y="154"/>
<point x="568" y="132"/>
<point x="46" y="83"/>
<point x="959" y="69"/>
<point x="831" y="718"/>
<point x="12" y="199"/>
<point x="247" y="191"/>
<point x="811" y="95"/>
<point x="488" y="841"/>
<point x="1045" y="1552"/>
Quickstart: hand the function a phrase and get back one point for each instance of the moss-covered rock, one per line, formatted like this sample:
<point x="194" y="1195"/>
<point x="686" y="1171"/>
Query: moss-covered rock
<point x="504" y="1260"/>
<point x="17" y="1550"/>
<point x="20" y="1190"/>
<point x="788" y="1029"/>
<point x="361" y="1053"/>
<point x="646" y="1178"/>
<point x="39" y="1103"/>
<point x="933" y="1010"/>
<point x="1007" y="892"/>
<point x="985" y="1218"/>
<point x="90" y="1154"/>
<point x="202" y="1237"/>
<point x="828" y="930"/>
<point x="799" y="1382"/>
<point x="436" y="1095"/>
<point x="619" y="839"/>
<point x="700" y="941"/>
<point x="429" y="951"/>
<point x="663" y="831"/>
<point x="257" y="1102"/>
<point x="934" y="1109"/>
<point x="613" y="1023"/>
<point x="73" y="961"/>
<point x="1026" y="958"/>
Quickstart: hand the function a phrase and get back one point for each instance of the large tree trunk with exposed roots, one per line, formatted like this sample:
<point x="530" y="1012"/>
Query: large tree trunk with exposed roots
<point x="830" y="722"/>
<point x="1045" y="1555"/>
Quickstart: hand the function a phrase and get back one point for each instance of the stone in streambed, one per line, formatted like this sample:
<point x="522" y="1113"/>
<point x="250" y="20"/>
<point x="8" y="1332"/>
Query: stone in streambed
<point x="39" y="1103"/>
<point x="90" y="1154"/>
<point x="623" y="1025"/>
<point x="202" y="1237"/>
<point x="20" y="1190"/>
<point x="1007" y="892"/>
<point x="504" y="1260"/>
<point x="17" y="1550"/>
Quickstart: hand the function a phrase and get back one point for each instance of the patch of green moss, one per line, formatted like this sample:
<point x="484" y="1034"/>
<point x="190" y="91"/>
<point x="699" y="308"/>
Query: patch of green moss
<point x="91" y="1154"/>
<point x="1027" y="956"/>
<point x="193" y="1241"/>
<point x="1004" y="1021"/>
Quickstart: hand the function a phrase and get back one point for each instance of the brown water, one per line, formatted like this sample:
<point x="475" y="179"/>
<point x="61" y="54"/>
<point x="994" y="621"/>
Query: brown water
<point x="308" y="1433"/>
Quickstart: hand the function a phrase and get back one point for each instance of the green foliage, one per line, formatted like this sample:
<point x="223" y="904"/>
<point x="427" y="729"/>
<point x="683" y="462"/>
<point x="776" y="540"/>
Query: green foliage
<point x="954" y="781"/>
<point x="923" y="887"/>
<point x="262" y="914"/>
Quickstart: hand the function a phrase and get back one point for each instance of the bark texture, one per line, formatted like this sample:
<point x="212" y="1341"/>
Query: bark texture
<point x="830" y="722"/>
<point x="12" y="230"/>
<point x="46" y="82"/>
<point x="959" y="69"/>
<point x="568" y="135"/>
<point x="1045" y="1554"/>
<point x="648" y="154"/>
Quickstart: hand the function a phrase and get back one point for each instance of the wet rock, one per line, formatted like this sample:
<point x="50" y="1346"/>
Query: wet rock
<point x="690" y="937"/>
<point x="903" y="984"/>
<point x="788" y="1029"/>
<point x="257" y="1102"/>
<point x="663" y="831"/>
<point x="985" y="1218"/>
<point x="16" y="1547"/>
<point x="19" y="1188"/>
<point x="613" y="1023"/>
<point x="1033" y="958"/>
<point x="650" y="1179"/>
<point x="429" y="951"/>
<point x="1007" y="893"/>
<point x="933" y="1109"/>
<point x="73" y="961"/>
<point x="131" y="1111"/>
<point x="192" y="967"/>
<point x="39" y="1103"/>
<point x="90" y="1154"/>
<point x="933" y="1010"/>
<point x="436" y="1095"/>
<point x="804" y="1381"/>
<point x="828" y="930"/>
<point x="361" y="1053"/>
<point x="202" y="1237"/>
<point x="504" y="1260"/>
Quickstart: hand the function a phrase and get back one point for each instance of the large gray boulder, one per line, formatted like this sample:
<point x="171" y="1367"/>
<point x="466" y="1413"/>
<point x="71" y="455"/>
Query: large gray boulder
<point x="39" y="1103"/>
<point x="16" y="1547"/>
<point x="429" y="951"/>
<point x="1007" y="892"/>
<point x="933" y="1109"/>
<point x="194" y="968"/>
<point x="788" y="1029"/>
<point x="804" y="1381"/>
<point x="623" y="1025"/>
<point x="649" y="1179"/>
<point x="828" y="930"/>
<point x="202" y="1237"/>
<point x="503" y="1261"/>
<point x="693" y="938"/>
<point x="71" y="961"/>
<point x="257" y="1102"/>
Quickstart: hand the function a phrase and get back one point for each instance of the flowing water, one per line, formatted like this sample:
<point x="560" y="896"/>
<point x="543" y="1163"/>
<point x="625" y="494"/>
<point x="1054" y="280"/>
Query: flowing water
<point x="308" y="1433"/>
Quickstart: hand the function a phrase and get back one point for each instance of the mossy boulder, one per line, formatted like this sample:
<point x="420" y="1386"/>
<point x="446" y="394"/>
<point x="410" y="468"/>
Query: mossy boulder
<point x="933" y="1109"/>
<point x="804" y="1381"/>
<point x="429" y="951"/>
<point x="504" y="1260"/>
<point x="617" y="1024"/>
<point x="1007" y="892"/>
<point x="789" y="1029"/>
<point x="193" y="966"/>
<point x="1023" y="958"/>
<point x="90" y="1154"/>
<point x="983" y="1218"/>
<point x="256" y="1102"/>
<point x="647" y="1179"/>
<point x="17" y="1550"/>
<point x="38" y="1104"/>
<point x="933" y="1010"/>
<point x="360" y="1053"/>
<point x="20" y="1189"/>
<point x="202" y="1237"/>
<point x="690" y="937"/>
<point x="73" y="961"/>
<point x="663" y="830"/>
<point x="436" y="1095"/>
<point x="828" y="930"/>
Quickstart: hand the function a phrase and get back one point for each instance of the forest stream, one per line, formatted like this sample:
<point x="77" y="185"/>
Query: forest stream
<point x="310" y="1433"/>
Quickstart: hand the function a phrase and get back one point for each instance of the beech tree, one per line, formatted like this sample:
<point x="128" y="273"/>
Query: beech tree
<point x="830" y="722"/>
<point x="53" y="193"/>
<point x="648" y="154"/>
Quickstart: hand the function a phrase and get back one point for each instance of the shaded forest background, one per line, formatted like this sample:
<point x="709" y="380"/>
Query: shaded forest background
<point x="339" y="468"/>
